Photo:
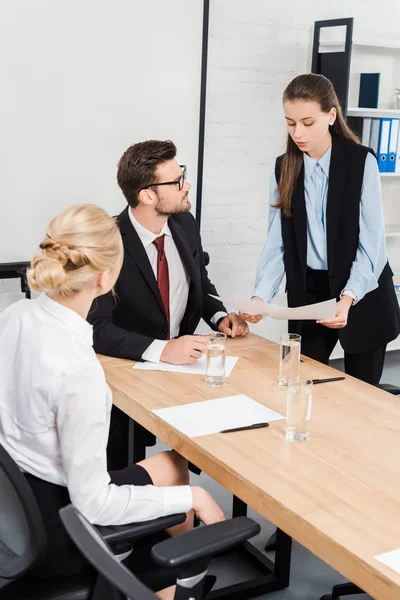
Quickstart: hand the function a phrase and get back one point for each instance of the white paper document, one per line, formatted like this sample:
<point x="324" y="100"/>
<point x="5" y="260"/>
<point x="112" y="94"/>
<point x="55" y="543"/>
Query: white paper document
<point x="212" y="416"/>
<point x="314" y="312"/>
<point x="198" y="369"/>
<point x="391" y="560"/>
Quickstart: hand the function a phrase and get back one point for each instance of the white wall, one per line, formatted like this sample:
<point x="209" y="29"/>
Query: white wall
<point x="255" y="49"/>
<point x="81" y="81"/>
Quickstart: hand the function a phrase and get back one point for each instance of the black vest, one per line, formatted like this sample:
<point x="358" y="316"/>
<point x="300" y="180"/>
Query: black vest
<point x="375" y="320"/>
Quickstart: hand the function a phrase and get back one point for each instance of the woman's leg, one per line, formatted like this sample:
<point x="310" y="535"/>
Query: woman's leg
<point x="164" y="469"/>
<point x="367" y="367"/>
<point x="167" y="593"/>
<point x="170" y="468"/>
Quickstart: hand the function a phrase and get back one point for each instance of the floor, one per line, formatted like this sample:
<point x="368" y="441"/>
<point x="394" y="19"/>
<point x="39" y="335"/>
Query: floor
<point x="310" y="577"/>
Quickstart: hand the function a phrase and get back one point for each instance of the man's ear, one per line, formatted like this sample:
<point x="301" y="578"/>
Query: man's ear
<point x="146" y="197"/>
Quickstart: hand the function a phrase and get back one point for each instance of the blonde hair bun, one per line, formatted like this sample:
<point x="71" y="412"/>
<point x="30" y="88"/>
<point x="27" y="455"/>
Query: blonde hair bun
<point x="81" y="242"/>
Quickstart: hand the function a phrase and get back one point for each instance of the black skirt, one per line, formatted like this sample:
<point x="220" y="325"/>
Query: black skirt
<point x="62" y="558"/>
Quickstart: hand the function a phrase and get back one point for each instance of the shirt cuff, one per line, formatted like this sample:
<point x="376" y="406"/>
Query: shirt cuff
<point x="218" y="315"/>
<point x="351" y="294"/>
<point x="258" y="292"/>
<point x="177" y="499"/>
<point x="154" y="351"/>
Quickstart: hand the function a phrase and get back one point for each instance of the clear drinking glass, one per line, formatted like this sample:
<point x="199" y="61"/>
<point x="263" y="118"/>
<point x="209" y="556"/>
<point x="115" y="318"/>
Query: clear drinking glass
<point x="289" y="363"/>
<point x="298" y="409"/>
<point x="215" y="359"/>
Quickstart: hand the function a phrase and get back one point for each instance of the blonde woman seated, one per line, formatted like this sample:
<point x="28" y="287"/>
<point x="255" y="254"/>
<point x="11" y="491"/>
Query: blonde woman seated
<point x="55" y="403"/>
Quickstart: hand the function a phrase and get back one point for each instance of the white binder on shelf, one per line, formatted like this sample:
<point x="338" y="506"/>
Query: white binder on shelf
<point x="397" y="167"/>
<point x="383" y="149"/>
<point x="393" y="140"/>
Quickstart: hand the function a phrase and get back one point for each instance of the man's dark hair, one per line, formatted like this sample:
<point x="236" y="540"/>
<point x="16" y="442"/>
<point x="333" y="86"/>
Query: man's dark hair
<point x="137" y="166"/>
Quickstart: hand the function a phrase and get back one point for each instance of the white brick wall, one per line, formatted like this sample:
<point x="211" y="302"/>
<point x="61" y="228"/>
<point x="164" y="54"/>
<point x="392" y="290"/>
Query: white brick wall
<point x="255" y="48"/>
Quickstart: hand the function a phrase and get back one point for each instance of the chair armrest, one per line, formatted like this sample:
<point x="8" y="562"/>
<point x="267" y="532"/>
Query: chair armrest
<point x="204" y="542"/>
<point x="134" y="531"/>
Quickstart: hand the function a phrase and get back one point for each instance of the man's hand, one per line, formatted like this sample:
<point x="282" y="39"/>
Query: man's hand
<point x="234" y="326"/>
<point x="185" y="350"/>
<point x="342" y="313"/>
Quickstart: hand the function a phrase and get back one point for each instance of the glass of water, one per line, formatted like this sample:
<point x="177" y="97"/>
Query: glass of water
<point x="215" y="358"/>
<point x="298" y="410"/>
<point x="289" y="357"/>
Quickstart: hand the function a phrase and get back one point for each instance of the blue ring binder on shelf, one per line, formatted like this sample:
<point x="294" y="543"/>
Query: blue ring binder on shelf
<point x="383" y="144"/>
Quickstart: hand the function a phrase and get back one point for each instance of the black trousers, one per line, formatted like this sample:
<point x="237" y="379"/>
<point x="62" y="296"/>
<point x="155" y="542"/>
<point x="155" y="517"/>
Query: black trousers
<point x="318" y="341"/>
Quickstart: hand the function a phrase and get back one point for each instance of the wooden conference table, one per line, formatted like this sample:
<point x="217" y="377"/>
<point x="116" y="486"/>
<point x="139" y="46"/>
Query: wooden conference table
<point x="338" y="494"/>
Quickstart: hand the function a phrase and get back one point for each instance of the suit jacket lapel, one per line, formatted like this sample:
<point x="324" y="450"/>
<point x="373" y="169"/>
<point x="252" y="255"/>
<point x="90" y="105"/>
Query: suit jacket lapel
<point x="136" y="250"/>
<point x="337" y="178"/>
<point x="300" y="219"/>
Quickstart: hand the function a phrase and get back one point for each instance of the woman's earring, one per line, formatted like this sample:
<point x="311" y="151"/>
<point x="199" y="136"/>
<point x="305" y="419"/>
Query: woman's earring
<point x="331" y="123"/>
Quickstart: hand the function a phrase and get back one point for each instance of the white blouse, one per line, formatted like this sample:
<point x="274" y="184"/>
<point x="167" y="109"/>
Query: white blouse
<point x="55" y="414"/>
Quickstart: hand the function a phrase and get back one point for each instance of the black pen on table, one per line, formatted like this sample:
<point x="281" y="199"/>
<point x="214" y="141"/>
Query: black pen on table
<point x="246" y="427"/>
<point x="315" y="381"/>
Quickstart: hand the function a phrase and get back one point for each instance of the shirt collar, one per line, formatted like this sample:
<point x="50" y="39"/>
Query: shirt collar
<point x="146" y="236"/>
<point x="324" y="162"/>
<point x="75" y="323"/>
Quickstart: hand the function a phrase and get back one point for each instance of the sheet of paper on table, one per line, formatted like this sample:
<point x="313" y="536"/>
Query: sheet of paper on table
<point x="212" y="416"/>
<point x="391" y="560"/>
<point x="198" y="369"/>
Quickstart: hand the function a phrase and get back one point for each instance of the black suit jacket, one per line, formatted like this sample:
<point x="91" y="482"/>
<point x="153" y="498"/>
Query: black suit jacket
<point x="126" y="325"/>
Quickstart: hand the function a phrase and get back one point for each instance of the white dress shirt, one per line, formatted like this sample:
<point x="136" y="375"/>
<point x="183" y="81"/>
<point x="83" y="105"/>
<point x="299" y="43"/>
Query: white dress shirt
<point x="55" y="414"/>
<point x="179" y="283"/>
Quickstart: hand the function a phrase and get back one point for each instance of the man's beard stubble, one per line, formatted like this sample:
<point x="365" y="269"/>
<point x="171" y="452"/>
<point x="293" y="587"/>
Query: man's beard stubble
<point x="184" y="207"/>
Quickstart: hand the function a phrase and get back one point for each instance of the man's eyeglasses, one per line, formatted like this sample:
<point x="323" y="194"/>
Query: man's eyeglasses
<point x="179" y="182"/>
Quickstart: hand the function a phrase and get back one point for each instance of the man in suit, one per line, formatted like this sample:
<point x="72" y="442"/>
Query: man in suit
<point x="163" y="289"/>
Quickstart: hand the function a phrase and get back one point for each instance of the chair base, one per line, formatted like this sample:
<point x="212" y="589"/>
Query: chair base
<point x="343" y="589"/>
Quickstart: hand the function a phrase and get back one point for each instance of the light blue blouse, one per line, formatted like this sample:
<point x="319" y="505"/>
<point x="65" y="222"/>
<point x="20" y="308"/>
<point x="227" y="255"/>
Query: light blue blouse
<point x="371" y="253"/>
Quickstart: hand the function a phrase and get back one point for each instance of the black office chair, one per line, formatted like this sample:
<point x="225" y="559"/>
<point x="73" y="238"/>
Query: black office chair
<point x="189" y="554"/>
<point x="23" y="543"/>
<point x="349" y="589"/>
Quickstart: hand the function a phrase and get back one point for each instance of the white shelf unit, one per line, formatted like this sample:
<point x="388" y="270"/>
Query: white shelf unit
<point x="339" y="47"/>
<point x="377" y="47"/>
<point x="376" y="57"/>
<point x="374" y="113"/>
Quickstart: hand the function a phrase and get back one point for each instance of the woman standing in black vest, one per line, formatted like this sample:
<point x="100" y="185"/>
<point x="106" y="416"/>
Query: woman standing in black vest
<point x="326" y="233"/>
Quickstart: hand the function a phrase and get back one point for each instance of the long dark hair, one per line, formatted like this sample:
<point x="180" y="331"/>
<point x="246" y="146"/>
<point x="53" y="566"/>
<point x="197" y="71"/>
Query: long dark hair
<point x="313" y="88"/>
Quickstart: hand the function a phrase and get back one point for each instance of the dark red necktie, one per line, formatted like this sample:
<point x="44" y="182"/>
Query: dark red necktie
<point x="163" y="276"/>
